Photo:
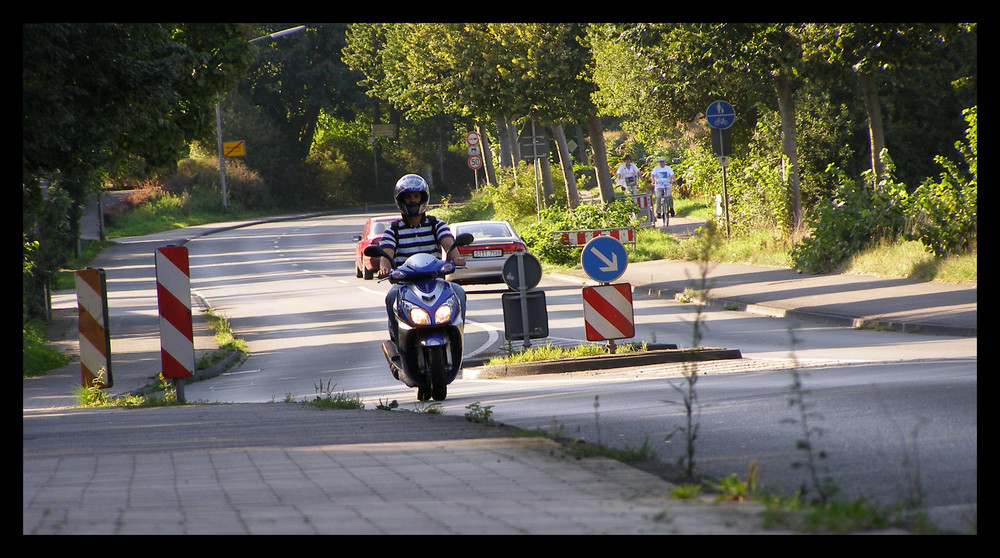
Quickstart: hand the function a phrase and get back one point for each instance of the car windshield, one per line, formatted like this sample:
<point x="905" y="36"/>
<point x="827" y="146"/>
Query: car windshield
<point x="379" y="227"/>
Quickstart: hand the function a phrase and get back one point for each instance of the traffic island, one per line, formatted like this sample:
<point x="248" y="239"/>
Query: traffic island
<point x="599" y="362"/>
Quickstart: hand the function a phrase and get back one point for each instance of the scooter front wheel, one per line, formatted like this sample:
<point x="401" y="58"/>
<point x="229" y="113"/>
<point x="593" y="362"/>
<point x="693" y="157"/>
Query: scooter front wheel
<point x="438" y="368"/>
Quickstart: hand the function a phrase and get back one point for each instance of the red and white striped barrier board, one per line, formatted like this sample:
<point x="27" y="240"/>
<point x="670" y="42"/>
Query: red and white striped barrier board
<point x="607" y="312"/>
<point x="644" y="201"/>
<point x="173" y="295"/>
<point x="95" y="339"/>
<point x="580" y="238"/>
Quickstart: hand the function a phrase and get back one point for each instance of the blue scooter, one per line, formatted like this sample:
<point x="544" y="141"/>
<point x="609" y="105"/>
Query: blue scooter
<point x="430" y="326"/>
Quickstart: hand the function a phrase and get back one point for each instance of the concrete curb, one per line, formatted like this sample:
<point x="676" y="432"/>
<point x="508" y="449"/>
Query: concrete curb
<point x="822" y="318"/>
<point x="599" y="362"/>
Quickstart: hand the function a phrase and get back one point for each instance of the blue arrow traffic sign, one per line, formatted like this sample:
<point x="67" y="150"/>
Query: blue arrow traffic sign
<point x="720" y="114"/>
<point x="604" y="259"/>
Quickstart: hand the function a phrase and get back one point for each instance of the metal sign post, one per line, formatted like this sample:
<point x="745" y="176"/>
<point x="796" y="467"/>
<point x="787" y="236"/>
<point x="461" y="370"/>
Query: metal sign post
<point x="534" y="147"/>
<point x="522" y="272"/>
<point x="720" y="116"/>
<point x="475" y="155"/>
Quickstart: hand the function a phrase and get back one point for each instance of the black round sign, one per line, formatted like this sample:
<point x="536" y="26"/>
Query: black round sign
<point x="513" y="267"/>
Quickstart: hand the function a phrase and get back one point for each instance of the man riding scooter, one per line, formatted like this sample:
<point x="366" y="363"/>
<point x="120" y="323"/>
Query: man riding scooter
<point x="416" y="232"/>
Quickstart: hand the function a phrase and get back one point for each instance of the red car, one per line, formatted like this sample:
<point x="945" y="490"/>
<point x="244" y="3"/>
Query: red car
<point x="374" y="227"/>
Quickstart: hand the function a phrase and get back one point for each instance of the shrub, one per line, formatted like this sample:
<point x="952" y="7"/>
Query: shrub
<point x="46" y="245"/>
<point x="544" y="245"/>
<point x="944" y="212"/>
<point x="36" y="357"/>
<point x="860" y="216"/>
<point x="514" y="195"/>
<point x="329" y="179"/>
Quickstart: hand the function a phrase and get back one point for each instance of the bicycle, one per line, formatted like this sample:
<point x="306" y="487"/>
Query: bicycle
<point x="664" y="206"/>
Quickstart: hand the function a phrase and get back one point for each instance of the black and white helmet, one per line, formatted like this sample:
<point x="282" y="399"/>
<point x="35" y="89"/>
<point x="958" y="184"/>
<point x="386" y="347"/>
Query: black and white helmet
<point x="412" y="183"/>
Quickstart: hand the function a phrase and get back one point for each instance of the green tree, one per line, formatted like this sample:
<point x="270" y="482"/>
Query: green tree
<point x="551" y="67"/>
<point x="293" y="79"/>
<point x="662" y="74"/>
<point x="869" y="49"/>
<point x="772" y="53"/>
<point x="661" y="77"/>
<point x="95" y="93"/>
<point x="482" y="71"/>
<point x="97" y="96"/>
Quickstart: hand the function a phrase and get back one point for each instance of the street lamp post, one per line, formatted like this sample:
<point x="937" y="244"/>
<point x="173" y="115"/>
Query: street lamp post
<point x="218" y="116"/>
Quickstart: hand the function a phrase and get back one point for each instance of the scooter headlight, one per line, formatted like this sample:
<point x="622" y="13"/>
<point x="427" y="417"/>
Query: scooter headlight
<point x="444" y="312"/>
<point x="418" y="316"/>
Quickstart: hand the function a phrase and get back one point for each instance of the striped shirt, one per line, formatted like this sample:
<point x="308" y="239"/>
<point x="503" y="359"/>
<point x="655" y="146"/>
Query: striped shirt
<point x="407" y="240"/>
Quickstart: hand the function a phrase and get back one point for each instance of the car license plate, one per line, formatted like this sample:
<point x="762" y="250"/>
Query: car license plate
<point x="487" y="253"/>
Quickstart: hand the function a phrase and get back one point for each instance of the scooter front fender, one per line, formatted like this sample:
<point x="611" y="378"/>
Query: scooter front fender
<point x="417" y="340"/>
<point x="433" y="339"/>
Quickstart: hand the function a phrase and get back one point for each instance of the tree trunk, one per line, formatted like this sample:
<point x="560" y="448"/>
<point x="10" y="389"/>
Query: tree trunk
<point x="876" y="134"/>
<point x="307" y="130"/>
<point x="786" y="111"/>
<point x="515" y="148"/>
<point x="572" y="196"/>
<point x="504" y="140"/>
<point x="547" y="189"/>
<point x="600" y="155"/>
<point x="487" y="154"/>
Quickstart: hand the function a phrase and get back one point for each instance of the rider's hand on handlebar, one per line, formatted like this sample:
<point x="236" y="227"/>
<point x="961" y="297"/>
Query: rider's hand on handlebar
<point x="384" y="268"/>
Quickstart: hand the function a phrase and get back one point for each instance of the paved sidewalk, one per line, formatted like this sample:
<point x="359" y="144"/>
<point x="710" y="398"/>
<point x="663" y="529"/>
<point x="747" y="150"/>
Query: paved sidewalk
<point x="283" y="468"/>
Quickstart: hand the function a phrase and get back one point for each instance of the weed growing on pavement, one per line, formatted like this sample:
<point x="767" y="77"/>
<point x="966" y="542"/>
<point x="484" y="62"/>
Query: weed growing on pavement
<point x="686" y="491"/>
<point x="224" y="338"/>
<point x="709" y="242"/>
<point x="580" y="448"/>
<point x="734" y="489"/>
<point x="597" y="420"/>
<point x="387" y="405"/>
<point x="429" y="408"/>
<point x="824" y="487"/>
<point x="159" y="394"/>
<point x="824" y="513"/>
<point x="480" y="414"/>
<point x="911" y="506"/>
<point x="326" y="399"/>
<point x="549" y="351"/>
